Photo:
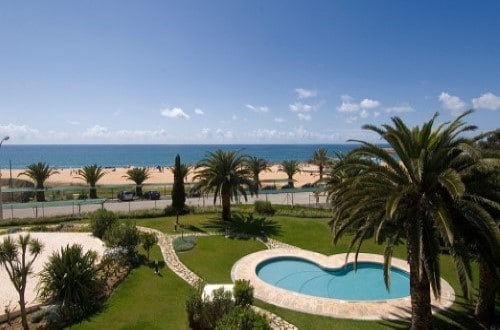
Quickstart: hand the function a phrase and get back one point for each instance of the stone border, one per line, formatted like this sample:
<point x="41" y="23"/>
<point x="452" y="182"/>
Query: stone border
<point x="172" y="261"/>
<point x="386" y="309"/>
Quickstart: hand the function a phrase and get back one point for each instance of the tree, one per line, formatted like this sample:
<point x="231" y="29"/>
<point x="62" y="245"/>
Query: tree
<point x="257" y="165"/>
<point x="290" y="167"/>
<point x="138" y="175"/>
<point x="178" y="191"/>
<point x="420" y="198"/>
<point x="320" y="159"/>
<point x="148" y="240"/>
<point x="485" y="180"/>
<point x="91" y="174"/>
<point x="39" y="172"/>
<point x="71" y="279"/>
<point x="226" y="174"/>
<point x="14" y="258"/>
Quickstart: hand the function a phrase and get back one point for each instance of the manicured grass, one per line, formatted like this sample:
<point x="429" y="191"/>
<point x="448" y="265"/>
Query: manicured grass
<point x="191" y="223"/>
<point x="205" y="258"/>
<point x="144" y="301"/>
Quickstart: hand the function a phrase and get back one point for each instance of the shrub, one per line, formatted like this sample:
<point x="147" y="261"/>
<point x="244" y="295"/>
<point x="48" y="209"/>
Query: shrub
<point x="100" y="221"/>
<point x="125" y="235"/>
<point x="247" y="225"/>
<point x="243" y="318"/>
<point x="148" y="240"/>
<point x="170" y="211"/>
<point x="184" y="243"/>
<point x="70" y="278"/>
<point x="263" y="207"/>
<point x="243" y="293"/>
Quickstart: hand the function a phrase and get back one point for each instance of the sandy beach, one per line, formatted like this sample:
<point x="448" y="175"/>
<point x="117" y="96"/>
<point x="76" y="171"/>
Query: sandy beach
<point x="116" y="176"/>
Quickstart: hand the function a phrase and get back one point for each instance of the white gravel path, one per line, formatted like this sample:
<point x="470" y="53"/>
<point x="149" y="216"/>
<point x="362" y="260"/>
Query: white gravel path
<point x="51" y="242"/>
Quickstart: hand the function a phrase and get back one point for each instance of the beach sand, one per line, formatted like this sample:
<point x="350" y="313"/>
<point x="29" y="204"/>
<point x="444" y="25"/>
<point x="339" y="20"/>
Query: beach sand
<point x="52" y="242"/>
<point x="116" y="176"/>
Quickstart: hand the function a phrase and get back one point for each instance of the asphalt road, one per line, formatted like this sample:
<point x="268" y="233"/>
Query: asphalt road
<point x="302" y="198"/>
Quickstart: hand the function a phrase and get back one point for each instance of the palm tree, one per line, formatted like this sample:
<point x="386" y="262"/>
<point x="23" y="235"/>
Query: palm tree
<point x="39" y="172"/>
<point x="224" y="173"/>
<point x="290" y="167"/>
<point x="320" y="159"/>
<point x="138" y="175"/>
<point x="15" y="260"/>
<point x="257" y="165"/>
<point x="71" y="278"/>
<point x="421" y="198"/>
<point x="91" y="174"/>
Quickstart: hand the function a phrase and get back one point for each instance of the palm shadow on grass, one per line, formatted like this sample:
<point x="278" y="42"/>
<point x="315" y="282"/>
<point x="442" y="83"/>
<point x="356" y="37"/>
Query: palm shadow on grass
<point x="245" y="226"/>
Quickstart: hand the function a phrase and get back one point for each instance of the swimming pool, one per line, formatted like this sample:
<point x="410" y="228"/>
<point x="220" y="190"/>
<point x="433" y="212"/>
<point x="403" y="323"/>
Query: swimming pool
<point x="305" y="277"/>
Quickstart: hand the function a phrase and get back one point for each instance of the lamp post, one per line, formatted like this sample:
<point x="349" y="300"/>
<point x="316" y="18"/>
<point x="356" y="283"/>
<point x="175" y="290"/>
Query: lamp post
<point x="1" y="203"/>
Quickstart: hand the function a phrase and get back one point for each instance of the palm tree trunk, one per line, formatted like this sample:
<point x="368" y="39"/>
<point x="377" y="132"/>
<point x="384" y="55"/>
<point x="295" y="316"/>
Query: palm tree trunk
<point x="226" y="203"/>
<point x="40" y="194"/>
<point x="485" y="307"/>
<point x="420" y="290"/>
<point x="93" y="192"/>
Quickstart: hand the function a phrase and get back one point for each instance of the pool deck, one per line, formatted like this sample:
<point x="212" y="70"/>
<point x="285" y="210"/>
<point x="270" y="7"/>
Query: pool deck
<point x="245" y="268"/>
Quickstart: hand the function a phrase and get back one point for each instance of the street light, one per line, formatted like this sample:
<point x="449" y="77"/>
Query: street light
<point x="1" y="203"/>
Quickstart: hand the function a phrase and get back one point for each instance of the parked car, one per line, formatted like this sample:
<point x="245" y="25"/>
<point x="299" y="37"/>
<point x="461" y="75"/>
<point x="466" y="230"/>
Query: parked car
<point x="126" y="196"/>
<point x="152" y="195"/>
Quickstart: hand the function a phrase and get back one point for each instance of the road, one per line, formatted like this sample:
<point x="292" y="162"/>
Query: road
<point x="285" y="198"/>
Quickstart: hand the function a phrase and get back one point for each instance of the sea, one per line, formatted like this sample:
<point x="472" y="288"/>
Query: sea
<point x="79" y="155"/>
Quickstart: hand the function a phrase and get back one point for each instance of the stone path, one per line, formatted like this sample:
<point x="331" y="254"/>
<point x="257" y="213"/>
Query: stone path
<point x="173" y="262"/>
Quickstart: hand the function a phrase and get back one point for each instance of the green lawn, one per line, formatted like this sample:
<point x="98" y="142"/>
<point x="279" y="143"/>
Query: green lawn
<point x="146" y="301"/>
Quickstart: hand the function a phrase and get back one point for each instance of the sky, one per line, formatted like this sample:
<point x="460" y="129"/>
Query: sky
<point x="260" y="71"/>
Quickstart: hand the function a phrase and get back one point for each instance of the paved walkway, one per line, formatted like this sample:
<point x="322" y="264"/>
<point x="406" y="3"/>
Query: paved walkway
<point x="173" y="262"/>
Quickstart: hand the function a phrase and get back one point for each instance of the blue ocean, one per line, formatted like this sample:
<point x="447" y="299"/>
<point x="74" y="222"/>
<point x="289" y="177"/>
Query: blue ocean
<point x="73" y="156"/>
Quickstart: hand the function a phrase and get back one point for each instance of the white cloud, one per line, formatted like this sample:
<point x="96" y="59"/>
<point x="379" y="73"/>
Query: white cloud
<point x="347" y="105"/>
<point x="174" y="113"/>
<point x="305" y="93"/>
<point x="73" y="122"/>
<point x="304" y="116"/>
<point x="300" y="107"/>
<point x="215" y="134"/>
<point x="96" y="131"/>
<point x="234" y="117"/>
<point x="452" y="103"/>
<point x="279" y="120"/>
<point x="199" y="112"/>
<point x="405" y="107"/>
<point x="364" y="114"/>
<point x="351" y="119"/>
<point x="262" y="109"/>
<point x="487" y="101"/>
<point x="369" y="104"/>
<point x="376" y="114"/>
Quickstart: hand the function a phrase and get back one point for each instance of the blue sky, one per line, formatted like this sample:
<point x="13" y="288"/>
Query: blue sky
<point x="242" y="71"/>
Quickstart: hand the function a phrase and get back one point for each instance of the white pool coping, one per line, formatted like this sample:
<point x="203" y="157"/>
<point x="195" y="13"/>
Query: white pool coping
<point x="245" y="268"/>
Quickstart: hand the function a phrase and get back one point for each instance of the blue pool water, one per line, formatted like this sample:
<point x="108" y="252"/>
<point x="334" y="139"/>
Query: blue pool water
<point x="367" y="283"/>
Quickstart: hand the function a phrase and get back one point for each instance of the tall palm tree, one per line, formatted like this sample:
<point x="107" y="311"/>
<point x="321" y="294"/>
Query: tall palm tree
<point x="421" y="199"/>
<point x="224" y="173"/>
<point x="320" y="159"/>
<point x="39" y="172"/>
<point x="138" y="175"/>
<point x="290" y="167"/>
<point x="91" y="174"/>
<point x="257" y="165"/>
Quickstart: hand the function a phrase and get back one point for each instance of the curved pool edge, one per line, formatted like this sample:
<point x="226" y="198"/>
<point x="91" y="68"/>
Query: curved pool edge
<point x="245" y="268"/>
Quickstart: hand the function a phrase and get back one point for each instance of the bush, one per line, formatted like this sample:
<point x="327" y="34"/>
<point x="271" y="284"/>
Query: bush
<point x="243" y="293"/>
<point x="100" y="221"/>
<point x="124" y="235"/>
<point x="184" y="243"/>
<point x="70" y="278"/>
<point x="263" y="207"/>
<point x="245" y="225"/>
<point x="243" y="318"/>
<point x="170" y="211"/>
